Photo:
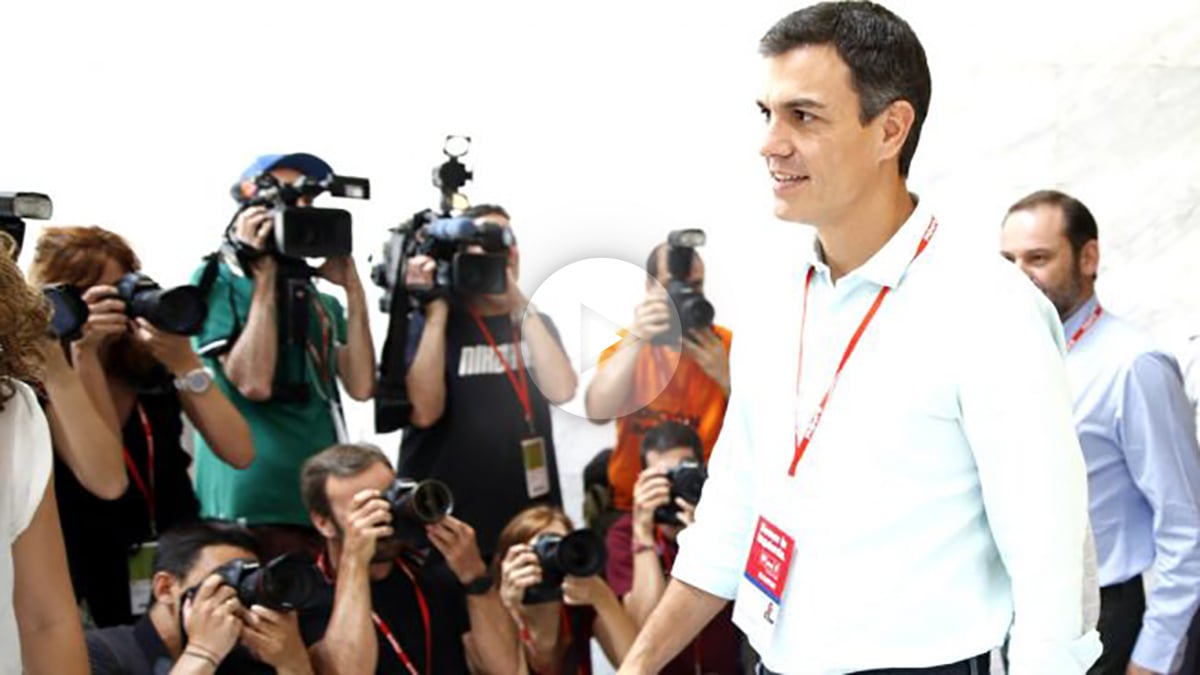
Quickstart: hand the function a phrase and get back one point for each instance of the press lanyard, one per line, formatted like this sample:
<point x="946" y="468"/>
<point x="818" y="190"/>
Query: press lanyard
<point x="145" y="485"/>
<point x="323" y="566"/>
<point x="1091" y="321"/>
<point x="802" y="440"/>
<point x="321" y="359"/>
<point x="564" y="622"/>
<point x="517" y="377"/>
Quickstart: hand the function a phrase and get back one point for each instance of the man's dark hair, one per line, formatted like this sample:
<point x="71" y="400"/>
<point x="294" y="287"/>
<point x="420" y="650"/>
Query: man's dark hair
<point x="670" y="435"/>
<point x="886" y="60"/>
<point x="341" y="461"/>
<point x="179" y="547"/>
<point x="481" y="210"/>
<point x="1080" y="224"/>
<point x="652" y="260"/>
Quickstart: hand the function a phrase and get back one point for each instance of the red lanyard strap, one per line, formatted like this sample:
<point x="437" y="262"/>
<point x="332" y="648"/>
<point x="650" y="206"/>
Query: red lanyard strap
<point x="516" y="376"/>
<point x="802" y="440"/>
<point x="145" y="485"/>
<point x="323" y="566"/>
<point x="1091" y="321"/>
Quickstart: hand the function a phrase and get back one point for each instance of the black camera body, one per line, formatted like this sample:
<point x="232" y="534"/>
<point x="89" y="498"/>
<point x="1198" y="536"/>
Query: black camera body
<point x="68" y="311"/>
<point x="180" y="310"/>
<point x="687" y="481"/>
<point x="692" y="310"/>
<point x="288" y="582"/>
<point x="14" y="207"/>
<point x="578" y="554"/>
<point x="307" y="231"/>
<point x="416" y="504"/>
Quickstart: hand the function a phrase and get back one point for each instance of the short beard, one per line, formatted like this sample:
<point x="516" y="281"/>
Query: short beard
<point x="1066" y="298"/>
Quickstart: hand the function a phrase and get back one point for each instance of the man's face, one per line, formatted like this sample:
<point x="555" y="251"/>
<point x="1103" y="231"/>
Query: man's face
<point x="696" y="277"/>
<point x="289" y="176"/>
<point x="1036" y="241"/>
<point x="820" y="156"/>
<point x="210" y="558"/>
<point x="514" y="253"/>
<point x="341" y="493"/>
<point x="670" y="458"/>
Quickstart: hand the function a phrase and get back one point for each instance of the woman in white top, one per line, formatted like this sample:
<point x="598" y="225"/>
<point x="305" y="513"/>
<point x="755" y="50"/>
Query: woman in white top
<point x="40" y="632"/>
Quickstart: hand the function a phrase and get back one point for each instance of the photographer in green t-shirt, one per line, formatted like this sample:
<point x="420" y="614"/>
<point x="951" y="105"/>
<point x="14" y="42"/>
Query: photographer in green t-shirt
<point x="278" y="348"/>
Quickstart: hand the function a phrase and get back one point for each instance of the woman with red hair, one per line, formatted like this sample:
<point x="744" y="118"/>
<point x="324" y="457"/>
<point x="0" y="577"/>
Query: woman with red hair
<point x="141" y="379"/>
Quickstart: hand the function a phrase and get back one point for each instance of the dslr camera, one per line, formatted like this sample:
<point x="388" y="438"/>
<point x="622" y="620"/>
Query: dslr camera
<point x="687" y="480"/>
<point x="289" y="582"/>
<point x="416" y="504"/>
<point x="578" y="554"/>
<point x="14" y="208"/>
<point x="180" y="310"/>
<point x="692" y="309"/>
<point x="305" y="231"/>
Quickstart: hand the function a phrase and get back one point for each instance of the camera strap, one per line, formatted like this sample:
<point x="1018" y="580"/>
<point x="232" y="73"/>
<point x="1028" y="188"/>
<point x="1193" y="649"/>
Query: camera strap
<point x="517" y="376"/>
<point x="802" y="440"/>
<point x="145" y="484"/>
<point x="1087" y="325"/>
<point x="381" y="625"/>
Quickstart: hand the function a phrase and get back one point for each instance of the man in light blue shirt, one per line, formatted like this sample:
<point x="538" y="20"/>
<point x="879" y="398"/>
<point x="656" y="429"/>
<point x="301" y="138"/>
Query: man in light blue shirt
<point x="1138" y="437"/>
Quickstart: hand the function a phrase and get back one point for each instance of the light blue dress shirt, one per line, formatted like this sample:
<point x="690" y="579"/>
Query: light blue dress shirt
<point x="1139" y="441"/>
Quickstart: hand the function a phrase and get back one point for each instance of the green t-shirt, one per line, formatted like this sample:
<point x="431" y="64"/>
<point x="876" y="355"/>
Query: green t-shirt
<point x="285" y="434"/>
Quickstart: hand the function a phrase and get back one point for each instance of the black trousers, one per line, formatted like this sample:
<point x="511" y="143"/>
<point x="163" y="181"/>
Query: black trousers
<point x="1121" y="609"/>
<point x="979" y="665"/>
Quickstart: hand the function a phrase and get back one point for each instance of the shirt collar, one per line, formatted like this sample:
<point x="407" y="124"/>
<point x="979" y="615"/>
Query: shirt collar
<point x="1079" y="316"/>
<point x="888" y="265"/>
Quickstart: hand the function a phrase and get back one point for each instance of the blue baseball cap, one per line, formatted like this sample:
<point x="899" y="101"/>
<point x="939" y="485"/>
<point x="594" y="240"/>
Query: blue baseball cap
<point x="309" y="165"/>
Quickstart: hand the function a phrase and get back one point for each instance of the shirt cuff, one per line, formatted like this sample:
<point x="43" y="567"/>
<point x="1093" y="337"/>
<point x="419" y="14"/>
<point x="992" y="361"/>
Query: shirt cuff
<point x="1046" y="657"/>
<point x="1154" y="651"/>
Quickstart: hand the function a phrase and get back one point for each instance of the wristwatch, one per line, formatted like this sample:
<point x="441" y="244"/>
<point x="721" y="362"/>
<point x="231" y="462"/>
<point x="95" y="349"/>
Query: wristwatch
<point x="481" y="585"/>
<point x="195" y="382"/>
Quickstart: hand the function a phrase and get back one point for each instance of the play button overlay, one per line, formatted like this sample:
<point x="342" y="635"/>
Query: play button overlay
<point x="592" y="303"/>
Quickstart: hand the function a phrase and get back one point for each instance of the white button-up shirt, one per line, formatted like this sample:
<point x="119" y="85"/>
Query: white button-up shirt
<point x="944" y="490"/>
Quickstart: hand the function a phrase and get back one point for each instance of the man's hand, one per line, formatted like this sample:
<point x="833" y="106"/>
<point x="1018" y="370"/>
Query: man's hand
<point x="274" y="638"/>
<point x="651" y="491"/>
<point x="173" y="351"/>
<point x="211" y="617"/>
<point x="106" y="318"/>
<point x="653" y="316"/>
<point x="519" y="570"/>
<point x="1135" y="669"/>
<point x="419" y="273"/>
<point x="456" y="541"/>
<point x="254" y="227"/>
<point x="340" y="271"/>
<point x="369" y="521"/>
<point x="687" y="511"/>
<point x="706" y="349"/>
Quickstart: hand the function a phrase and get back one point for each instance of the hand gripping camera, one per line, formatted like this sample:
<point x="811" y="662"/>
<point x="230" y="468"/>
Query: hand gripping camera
<point x="578" y="554"/>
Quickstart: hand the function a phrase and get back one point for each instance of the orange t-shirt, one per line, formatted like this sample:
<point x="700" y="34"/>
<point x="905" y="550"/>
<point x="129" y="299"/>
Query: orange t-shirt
<point x="691" y="398"/>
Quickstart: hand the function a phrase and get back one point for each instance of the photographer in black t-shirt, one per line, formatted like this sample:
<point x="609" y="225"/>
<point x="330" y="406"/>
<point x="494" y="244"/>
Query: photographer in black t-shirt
<point x="481" y="413"/>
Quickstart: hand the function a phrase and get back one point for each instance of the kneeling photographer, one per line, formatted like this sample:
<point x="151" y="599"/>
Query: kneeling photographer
<point x="141" y="374"/>
<point x="642" y="545"/>
<point x="551" y="585"/>
<point x="483" y="367"/>
<point x="277" y="346"/>
<point x="397" y="607"/>
<point x="213" y="610"/>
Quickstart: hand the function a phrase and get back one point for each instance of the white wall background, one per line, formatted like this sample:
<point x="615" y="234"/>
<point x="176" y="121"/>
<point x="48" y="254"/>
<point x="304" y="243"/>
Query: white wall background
<point x="600" y="125"/>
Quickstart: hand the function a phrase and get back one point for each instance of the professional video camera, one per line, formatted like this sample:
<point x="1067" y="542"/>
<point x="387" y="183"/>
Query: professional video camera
<point x="14" y="207"/>
<point x="416" y="504"/>
<point x="286" y="583"/>
<point x="578" y="554"/>
<point x="687" y="480"/>
<point x="303" y="231"/>
<point x="471" y="259"/>
<point x="693" y="310"/>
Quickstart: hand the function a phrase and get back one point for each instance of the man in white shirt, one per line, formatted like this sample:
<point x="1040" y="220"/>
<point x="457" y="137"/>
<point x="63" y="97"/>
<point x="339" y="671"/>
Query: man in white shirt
<point x="936" y="498"/>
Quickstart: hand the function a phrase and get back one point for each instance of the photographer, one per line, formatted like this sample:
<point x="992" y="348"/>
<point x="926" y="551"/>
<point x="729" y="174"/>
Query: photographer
<point x="556" y="635"/>
<point x="286" y="391"/>
<point x="196" y="625"/>
<point x="642" y="547"/>
<point x="394" y="610"/>
<point x="657" y="382"/>
<point x="141" y="378"/>
<point x="39" y="626"/>
<point x="478" y="424"/>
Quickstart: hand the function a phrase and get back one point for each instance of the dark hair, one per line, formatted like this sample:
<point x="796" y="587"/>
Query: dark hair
<point x="341" y="461"/>
<point x="1080" y="224"/>
<point x="886" y="60"/>
<point x="669" y="435"/>
<point x="652" y="259"/>
<point x="179" y="547"/>
<point x="481" y="210"/>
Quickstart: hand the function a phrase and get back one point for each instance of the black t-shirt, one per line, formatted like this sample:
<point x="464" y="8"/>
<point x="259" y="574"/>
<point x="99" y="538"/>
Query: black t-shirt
<point x="475" y="448"/>
<point x="138" y="650"/>
<point x="99" y="534"/>
<point x="395" y="600"/>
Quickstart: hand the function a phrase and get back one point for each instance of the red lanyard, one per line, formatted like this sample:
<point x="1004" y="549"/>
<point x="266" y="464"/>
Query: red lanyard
<point x="323" y="566"/>
<point x="145" y="485"/>
<point x="1091" y="321"/>
<point x="802" y="441"/>
<point x="564" y="622"/>
<point x="516" y="376"/>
